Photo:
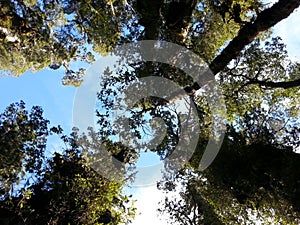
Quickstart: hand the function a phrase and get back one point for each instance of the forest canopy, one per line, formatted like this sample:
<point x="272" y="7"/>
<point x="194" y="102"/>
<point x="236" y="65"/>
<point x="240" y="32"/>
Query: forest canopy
<point x="254" y="177"/>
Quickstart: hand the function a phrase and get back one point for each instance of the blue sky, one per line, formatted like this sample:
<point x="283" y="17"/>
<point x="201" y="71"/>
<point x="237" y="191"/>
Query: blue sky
<point x="44" y="88"/>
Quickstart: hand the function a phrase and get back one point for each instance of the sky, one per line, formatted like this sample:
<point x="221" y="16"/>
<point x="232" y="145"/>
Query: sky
<point x="44" y="88"/>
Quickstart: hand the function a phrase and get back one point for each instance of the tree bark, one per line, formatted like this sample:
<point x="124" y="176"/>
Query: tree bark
<point x="178" y="23"/>
<point x="265" y="20"/>
<point x="283" y="84"/>
<point x="149" y="11"/>
<point x="178" y="16"/>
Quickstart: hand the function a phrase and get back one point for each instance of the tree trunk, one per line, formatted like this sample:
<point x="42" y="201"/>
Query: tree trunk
<point x="265" y="20"/>
<point x="149" y="11"/>
<point x="178" y="17"/>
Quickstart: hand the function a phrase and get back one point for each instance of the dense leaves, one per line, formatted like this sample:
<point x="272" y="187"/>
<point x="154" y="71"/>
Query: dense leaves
<point x="247" y="182"/>
<point x="22" y="143"/>
<point x="255" y="176"/>
<point x="38" y="34"/>
<point x="70" y="193"/>
<point x="61" y="189"/>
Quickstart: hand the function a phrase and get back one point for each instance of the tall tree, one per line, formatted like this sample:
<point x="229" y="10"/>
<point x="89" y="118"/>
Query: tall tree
<point x="69" y="192"/>
<point x="256" y="84"/>
<point x="38" y="34"/>
<point x="61" y="189"/>
<point x="201" y="16"/>
<point x="22" y="143"/>
<point x="252" y="179"/>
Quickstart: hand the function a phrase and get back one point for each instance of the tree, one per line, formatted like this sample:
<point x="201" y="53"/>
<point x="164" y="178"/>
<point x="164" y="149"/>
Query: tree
<point x="62" y="189"/>
<point x="22" y="143"/>
<point x="271" y="79"/>
<point x="254" y="176"/>
<point x="265" y="20"/>
<point x="257" y="82"/>
<point x="27" y="41"/>
<point x="206" y="11"/>
<point x="71" y="193"/>
<point x="39" y="34"/>
<point x="248" y="182"/>
<point x="257" y="76"/>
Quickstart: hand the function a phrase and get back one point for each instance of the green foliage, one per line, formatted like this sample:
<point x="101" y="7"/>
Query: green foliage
<point x="256" y="171"/>
<point x="61" y="189"/>
<point x="247" y="182"/>
<point x="22" y="143"/>
<point x="255" y="176"/>
<point x="261" y="63"/>
<point x="211" y="17"/>
<point x="71" y="193"/>
<point x="38" y="34"/>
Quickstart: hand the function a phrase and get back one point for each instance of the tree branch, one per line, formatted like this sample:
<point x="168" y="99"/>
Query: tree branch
<point x="265" y="20"/>
<point x="283" y="84"/>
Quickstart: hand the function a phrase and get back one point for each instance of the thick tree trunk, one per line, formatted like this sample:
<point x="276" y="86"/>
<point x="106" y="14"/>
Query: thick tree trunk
<point x="265" y="20"/>
<point x="149" y="11"/>
<point x="178" y="16"/>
